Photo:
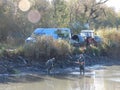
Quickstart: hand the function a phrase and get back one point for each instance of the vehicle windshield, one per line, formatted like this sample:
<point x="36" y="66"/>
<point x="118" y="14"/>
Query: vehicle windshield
<point x="86" y="34"/>
<point x="64" y="34"/>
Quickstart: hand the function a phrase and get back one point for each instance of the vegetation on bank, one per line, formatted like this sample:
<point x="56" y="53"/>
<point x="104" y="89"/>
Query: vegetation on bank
<point x="111" y="42"/>
<point x="16" y="23"/>
<point x="47" y="47"/>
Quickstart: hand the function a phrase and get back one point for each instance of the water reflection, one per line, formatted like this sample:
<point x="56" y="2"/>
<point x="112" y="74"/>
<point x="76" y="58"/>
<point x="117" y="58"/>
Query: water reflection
<point x="106" y="79"/>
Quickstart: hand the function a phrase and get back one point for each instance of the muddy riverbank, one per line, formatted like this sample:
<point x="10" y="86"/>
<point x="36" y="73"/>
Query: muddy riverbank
<point x="101" y="78"/>
<point x="18" y="64"/>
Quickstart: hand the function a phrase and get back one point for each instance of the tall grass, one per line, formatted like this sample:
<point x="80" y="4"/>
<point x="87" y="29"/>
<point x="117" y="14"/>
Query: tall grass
<point x="47" y="47"/>
<point x="110" y="37"/>
<point x="14" y="42"/>
<point x="111" y="41"/>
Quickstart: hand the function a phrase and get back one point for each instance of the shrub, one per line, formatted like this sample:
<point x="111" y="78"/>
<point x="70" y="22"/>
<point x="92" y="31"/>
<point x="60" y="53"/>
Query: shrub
<point x="93" y="51"/>
<point x="2" y="49"/>
<point x="111" y="42"/>
<point x="47" y="47"/>
<point x="110" y="37"/>
<point x="13" y="42"/>
<point x="62" y="47"/>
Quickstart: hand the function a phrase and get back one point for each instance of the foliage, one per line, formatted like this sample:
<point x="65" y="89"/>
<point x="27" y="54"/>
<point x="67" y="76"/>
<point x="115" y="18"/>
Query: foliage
<point x="93" y="51"/>
<point x="15" y="25"/>
<point x="75" y="14"/>
<point x="47" y="47"/>
<point x="111" y="42"/>
<point x="110" y="37"/>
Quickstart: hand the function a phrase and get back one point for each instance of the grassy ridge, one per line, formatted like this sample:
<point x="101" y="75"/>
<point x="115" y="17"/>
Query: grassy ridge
<point x="47" y="47"/>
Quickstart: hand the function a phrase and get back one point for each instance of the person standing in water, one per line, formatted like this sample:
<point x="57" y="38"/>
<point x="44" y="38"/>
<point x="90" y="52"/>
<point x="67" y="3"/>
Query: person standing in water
<point x="50" y="65"/>
<point x="81" y="62"/>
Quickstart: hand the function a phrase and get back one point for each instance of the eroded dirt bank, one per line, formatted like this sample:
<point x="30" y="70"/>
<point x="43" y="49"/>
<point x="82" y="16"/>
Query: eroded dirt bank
<point x="18" y="64"/>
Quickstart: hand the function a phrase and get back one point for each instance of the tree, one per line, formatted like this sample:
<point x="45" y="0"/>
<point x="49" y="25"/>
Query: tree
<point x="60" y="13"/>
<point x="110" y="20"/>
<point x="85" y="11"/>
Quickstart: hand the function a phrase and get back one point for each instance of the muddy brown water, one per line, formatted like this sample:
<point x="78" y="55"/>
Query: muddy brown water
<point x="105" y="78"/>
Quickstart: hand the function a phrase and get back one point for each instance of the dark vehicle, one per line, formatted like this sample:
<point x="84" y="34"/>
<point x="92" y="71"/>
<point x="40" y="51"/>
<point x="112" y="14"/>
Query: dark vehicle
<point x="86" y="37"/>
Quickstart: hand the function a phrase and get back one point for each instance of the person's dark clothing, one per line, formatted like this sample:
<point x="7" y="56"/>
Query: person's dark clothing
<point x="50" y="65"/>
<point x="81" y="61"/>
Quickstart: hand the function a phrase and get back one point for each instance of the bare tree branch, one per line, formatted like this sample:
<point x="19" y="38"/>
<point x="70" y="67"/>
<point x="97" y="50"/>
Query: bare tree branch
<point x="101" y="2"/>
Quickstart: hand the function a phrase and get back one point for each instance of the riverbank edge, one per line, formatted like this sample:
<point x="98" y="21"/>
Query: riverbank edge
<point x="21" y="72"/>
<point x="16" y="65"/>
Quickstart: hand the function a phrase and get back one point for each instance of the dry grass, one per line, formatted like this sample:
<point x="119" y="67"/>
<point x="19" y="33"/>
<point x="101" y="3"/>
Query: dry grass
<point x="110" y="37"/>
<point x="47" y="47"/>
<point x="111" y="41"/>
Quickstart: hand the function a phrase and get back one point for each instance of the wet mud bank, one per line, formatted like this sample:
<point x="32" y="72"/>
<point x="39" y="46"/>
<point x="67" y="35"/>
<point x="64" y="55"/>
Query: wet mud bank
<point x="19" y="65"/>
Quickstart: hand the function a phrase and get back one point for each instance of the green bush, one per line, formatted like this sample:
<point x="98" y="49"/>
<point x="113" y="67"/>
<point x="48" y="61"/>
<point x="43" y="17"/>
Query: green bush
<point x="93" y="51"/>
